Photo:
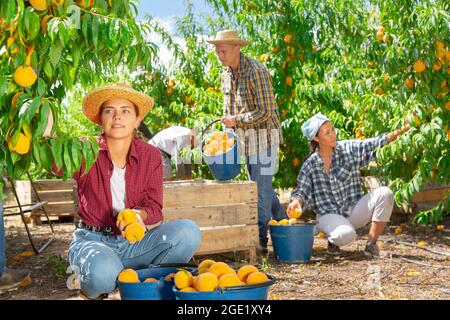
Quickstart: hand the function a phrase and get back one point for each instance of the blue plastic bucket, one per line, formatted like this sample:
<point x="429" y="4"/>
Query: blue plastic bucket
<point x="249" y="292"/>
<point x="224" y="166"/>
<point x="161" y="290"/>
<point x="292" y="243"/>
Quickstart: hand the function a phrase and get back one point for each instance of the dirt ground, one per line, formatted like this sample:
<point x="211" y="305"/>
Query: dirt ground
<point x="403" y="271"/>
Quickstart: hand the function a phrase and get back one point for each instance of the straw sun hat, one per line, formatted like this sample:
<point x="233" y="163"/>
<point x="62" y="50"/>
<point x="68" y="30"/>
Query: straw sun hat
<point x="93" y="101"/>
<point x="228" y="37"/>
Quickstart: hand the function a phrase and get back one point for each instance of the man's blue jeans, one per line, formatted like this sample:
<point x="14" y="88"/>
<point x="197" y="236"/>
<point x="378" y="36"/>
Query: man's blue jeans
<point x="100" y="258"/>
<point x="261" y="168"/>
<point x="2" y="241"/>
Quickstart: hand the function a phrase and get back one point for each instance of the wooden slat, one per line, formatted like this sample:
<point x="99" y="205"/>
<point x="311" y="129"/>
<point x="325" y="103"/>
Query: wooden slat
<point x="423" y="206"/>
<point x="55" y="184"/>
<point x="203" y="194"/>
<point x="431" y="195"/>
<point x="432" y="186"/>
<point x="207" y="216"/>
<point x="221" y="240"/>
<point x="55" y="195"/>
<point x="56" y="209"/>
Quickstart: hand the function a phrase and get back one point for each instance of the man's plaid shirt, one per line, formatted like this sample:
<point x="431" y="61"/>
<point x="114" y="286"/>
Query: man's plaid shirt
<point x="250" y="97"/>
<point x="340" y="190"/>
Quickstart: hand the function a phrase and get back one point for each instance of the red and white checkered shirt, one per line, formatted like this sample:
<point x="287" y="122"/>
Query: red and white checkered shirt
<point x="143" y="185"/>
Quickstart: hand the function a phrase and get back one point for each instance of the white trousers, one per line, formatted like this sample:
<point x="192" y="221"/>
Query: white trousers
<point x="374" y="206"/>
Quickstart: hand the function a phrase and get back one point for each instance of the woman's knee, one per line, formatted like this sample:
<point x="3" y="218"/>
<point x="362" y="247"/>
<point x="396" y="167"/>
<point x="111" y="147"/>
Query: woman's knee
<point x="98" y="268"/>
<point x="188" y="233"/>
<point x="342" y="235"/>
<point x="385" y="200"/>
<point x="385" y="193"/>
<point x="102" y="277"/>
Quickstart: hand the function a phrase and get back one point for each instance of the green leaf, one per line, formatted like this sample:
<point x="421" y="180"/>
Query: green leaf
<point x="20" y="166"/>
<point x="76" y="54"/>
<point x="42" y="119"/>
<point x="45" y="154"/>
<point x="26" y="18"/>
<point x="3" y="86"/>
<point x="131" y="55"/>
<point x="10" y="10"/>
<point x="68" y="159"/>
<point x="57" y="151"/>
<point x="77" y="151"/>
<point x="405" y="195"/>
<point x="113" y="29"/>
<point x="14" y="159"/>
<point x="42" y="87"/>
<point x="393" y="150"/>
<point x="416" y="185"/>
<point x="52" y="28"/>
<point x="95" y="31"/>
<point x="28" y="110"/>
<point x="36" y="155"/>
<point x="55" y="53"/>
<point x="85" y="26"/>
<point x="62" y="33"/>
<point x="88" y="155"/>
<point x="33" y="26"/>
<point x="48" y="70"/>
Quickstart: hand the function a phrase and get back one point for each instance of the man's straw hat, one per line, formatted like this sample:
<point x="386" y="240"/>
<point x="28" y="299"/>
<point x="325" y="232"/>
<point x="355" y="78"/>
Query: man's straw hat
<point x="228" y="37"/>
<point x="93" y="101"/>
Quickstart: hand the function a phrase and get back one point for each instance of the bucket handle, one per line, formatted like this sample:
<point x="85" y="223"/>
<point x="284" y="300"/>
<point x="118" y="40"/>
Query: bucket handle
<point x="208" y="126"/>
<point x="270" y="282"/>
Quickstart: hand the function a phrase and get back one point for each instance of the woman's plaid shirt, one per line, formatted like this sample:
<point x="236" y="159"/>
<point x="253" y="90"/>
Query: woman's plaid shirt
<point x="340" y="190"/>
<point x="250" y="97"/>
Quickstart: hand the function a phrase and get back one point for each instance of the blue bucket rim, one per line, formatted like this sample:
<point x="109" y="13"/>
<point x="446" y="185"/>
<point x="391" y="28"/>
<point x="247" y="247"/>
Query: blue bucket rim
<point x="163" y="265"/>
<point x="297" y="224"/>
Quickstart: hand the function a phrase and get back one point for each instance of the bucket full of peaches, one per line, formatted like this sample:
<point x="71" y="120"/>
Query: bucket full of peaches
<point x="293" y="238"/>
<point x="218" y="281"/>
<point x="152" y="283"/>
<point x="221" y="154"/>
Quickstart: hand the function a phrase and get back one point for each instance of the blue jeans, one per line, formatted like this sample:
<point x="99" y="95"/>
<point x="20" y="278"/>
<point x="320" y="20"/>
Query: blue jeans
<point x="100" y="258"/>
<point x="261" y="168"/>
<point x="2" y="241"/>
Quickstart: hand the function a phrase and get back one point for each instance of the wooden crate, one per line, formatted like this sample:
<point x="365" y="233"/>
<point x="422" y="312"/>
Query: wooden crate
<point x="23" y="191"/>
<point x="59" y="195"/>
<point x="226" y="213"/>
<point x="429" y="196"/>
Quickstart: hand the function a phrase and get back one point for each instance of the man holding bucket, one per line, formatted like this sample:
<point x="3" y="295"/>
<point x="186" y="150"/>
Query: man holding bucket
<point x="250" y="108"/>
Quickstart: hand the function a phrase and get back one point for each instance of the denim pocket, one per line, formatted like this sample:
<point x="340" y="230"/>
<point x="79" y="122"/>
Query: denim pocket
<point x="80" y="234"/>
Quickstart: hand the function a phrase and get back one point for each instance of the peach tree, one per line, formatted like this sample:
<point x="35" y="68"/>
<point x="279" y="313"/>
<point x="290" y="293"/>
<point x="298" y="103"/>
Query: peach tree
<point x="46" y="48"/>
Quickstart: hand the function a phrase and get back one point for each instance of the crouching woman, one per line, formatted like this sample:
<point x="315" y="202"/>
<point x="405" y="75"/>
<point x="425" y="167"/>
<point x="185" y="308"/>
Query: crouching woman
<point x="329" y="183"/>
